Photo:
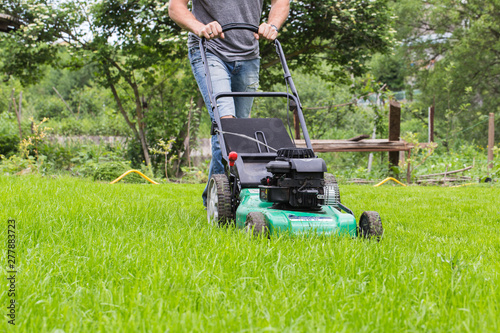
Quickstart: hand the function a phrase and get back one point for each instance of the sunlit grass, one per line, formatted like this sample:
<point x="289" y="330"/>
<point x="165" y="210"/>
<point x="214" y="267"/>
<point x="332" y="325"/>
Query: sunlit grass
<point x="115" y="258"/>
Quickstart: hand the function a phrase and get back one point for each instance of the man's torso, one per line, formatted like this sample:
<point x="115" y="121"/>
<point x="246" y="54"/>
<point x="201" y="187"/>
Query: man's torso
<point x="238" y="44"/>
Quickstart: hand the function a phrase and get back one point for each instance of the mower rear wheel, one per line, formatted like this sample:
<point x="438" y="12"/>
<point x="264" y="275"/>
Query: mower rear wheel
<point x="370" y="226"/>
<point x="219" y="210"/>
<point x="331" y="181"/>
<point x="256" y="223"/>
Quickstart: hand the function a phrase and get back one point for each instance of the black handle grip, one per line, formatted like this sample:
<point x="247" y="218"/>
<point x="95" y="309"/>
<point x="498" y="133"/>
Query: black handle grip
<point x="244" y="26"/>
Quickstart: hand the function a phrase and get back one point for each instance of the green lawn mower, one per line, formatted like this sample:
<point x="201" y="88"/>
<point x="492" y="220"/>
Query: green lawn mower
<point x="270" y="186"/>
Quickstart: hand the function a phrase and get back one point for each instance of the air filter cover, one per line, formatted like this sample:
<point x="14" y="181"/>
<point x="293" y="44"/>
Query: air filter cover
<point x="288" y="153"/>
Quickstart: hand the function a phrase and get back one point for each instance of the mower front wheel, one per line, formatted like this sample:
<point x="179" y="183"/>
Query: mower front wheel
<point x="370" y="226"/>
<point x="219" y="201"/>
<point x="256" y="223"/>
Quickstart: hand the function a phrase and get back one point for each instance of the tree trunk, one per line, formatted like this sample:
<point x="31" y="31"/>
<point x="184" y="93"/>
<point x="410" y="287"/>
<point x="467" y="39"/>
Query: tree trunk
<point x="192" y="135"/>
<point x="139" y="134"/>
<point x="144" y="143"/>
<point x="12" y="98"/>
<point x="140" y="122"/>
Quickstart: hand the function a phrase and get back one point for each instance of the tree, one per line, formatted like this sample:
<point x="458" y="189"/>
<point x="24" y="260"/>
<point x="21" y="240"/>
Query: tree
<point x="130" y="42"/>
<point x="453" y="48"/>
<point x="123" y="39"/>
<point x="342" y="34"/>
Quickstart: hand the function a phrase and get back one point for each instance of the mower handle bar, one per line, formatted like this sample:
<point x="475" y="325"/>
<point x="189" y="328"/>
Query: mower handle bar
<point x="256" y="94"/>
<point x="241" y="26"/>
<point x="286" y="72"/>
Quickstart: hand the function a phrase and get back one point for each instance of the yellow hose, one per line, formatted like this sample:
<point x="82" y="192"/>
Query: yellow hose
<point x="386" y="180"/>
<point x="136" y="171"/>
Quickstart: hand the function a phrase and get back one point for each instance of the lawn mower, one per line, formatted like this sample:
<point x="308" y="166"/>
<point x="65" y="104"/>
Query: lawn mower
<point x="270" y="186"/>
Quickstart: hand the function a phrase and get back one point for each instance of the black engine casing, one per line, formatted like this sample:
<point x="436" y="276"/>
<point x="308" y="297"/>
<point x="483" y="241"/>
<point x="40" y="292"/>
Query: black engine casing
<point x="297" y="179"/>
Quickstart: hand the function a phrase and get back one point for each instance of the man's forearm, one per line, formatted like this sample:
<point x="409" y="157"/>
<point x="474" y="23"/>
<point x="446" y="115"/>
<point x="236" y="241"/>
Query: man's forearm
<point x="180" y="14"/>
<point x="279" y="12"/>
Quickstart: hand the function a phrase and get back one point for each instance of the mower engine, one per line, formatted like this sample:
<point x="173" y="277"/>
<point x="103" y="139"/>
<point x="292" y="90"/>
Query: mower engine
<point x="297" y="181"/>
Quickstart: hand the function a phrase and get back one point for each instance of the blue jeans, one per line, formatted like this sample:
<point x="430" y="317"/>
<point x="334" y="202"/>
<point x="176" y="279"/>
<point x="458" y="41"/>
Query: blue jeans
<point x="234" y="76"/>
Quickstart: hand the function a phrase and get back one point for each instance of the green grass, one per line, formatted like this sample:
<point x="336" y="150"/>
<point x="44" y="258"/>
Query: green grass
<point x="141" y="258"/>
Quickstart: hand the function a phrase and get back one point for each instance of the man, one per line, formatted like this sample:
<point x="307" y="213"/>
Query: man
<point x="233" y="57"/>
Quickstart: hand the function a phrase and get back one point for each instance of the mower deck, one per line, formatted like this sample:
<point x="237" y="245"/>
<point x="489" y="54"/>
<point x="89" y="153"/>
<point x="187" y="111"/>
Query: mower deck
<point x="327" y="221"/>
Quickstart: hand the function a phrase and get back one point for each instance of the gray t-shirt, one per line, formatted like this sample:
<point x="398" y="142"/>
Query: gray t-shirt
<point x="237" y="44"/>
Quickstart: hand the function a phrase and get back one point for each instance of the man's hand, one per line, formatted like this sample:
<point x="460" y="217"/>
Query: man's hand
<point x="267" y="31"/>
<point x="179" y="12"/>
<point x="211" y="31"/>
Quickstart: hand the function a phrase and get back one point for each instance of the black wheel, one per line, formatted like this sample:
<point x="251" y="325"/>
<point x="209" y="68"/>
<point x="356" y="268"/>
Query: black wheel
<point x="331" y="185"/>
<point x="256" y="223"/>
<point x="370" y="226"/>
<point x="219" y="201"/>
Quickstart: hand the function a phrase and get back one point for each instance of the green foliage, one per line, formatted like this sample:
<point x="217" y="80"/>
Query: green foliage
<point x="195" y="175"/>
<point x="9" y="134"/>
<point x="135" y="49"/>
<point x="73" y="158"/>
<point x="30" y="144"/>
<point x="17" y="164"/>
<point x="122" y="41"/>
<point x="419" y="155"/>
<point x="468" y="154"/>
<point x="109" y="171"/>
<point x="331" y="111"/>
<point x="349" y="166"/>
<point x="164" y="148"/>
<point x="134" y="154"/>
<point x="452" y="49"/>
<point x="173" y="107"/>
<point x="77" y="88"/>
<point x="344" y="34"/>
<point x="103" y="124"/>
<point x="389" y="69"/>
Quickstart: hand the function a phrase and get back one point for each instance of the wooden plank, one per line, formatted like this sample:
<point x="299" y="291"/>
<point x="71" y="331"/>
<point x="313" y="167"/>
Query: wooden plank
<point x="296" y="123"/>
<point x="394" y="121"/>
<point x="394" y="130"/>
<point x="322" y="146"/>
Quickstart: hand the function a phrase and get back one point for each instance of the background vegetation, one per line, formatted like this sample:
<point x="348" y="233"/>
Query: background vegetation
<point x="134" y="257"/>
<point x="119" y="68"/>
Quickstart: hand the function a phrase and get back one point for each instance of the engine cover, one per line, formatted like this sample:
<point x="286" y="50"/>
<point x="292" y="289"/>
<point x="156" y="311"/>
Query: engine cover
<point x="297" y="180"/>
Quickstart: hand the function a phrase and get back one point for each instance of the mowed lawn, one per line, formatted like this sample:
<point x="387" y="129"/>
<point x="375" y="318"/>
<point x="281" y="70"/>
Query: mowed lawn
<point x="93" y="257"/>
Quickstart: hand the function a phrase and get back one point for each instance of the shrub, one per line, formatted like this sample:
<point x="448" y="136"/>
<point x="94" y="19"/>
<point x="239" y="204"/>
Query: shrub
<point x="109" y="171"/>
<point x="9" y="135"/>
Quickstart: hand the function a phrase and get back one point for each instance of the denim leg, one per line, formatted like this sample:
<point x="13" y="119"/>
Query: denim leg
<point x="221" y="81"/>
<point x="233" y="76"/>
<point x="220" y="73"/>
<point x="219" y="84"/>
<point x="245" y="79"/>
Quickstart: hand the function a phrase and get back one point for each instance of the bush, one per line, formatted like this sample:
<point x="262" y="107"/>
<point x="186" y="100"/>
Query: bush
<point x="50" y="107"/>
<point x="111" y="170"/>
<point x="8" y="143"/>
<point x="111" y="125"/>
<point x="9" y="135"/>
